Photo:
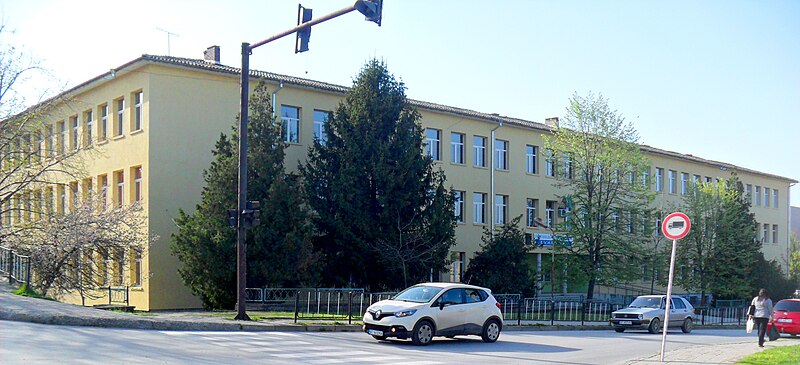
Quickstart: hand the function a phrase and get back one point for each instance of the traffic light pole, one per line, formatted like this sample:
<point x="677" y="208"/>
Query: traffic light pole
<point x="372" y="10"/>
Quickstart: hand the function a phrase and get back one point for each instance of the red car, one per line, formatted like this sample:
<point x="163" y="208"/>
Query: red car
<point x="786" y="317"/>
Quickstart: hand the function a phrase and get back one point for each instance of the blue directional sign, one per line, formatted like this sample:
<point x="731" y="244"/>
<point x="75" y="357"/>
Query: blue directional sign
<point x="546" y="239"/>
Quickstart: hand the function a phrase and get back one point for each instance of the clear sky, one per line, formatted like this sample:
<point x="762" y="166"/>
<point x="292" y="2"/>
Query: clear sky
<point x="716" y="79"/>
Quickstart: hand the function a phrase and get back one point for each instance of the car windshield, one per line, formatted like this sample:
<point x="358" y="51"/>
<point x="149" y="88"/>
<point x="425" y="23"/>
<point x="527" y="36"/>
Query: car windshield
<point x="787" y="306"/>
<point x="646" y="302"/>
<point x="418" y="294"/>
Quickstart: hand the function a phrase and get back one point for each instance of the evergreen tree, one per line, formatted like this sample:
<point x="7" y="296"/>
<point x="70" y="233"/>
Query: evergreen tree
<point x="279" y="249"/>
<point x="384" y="217"/>
<point x="503" y="263"/>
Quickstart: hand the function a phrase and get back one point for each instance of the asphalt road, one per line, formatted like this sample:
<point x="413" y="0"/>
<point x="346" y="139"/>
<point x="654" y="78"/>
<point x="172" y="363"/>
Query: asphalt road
<point x="29" y="343"/>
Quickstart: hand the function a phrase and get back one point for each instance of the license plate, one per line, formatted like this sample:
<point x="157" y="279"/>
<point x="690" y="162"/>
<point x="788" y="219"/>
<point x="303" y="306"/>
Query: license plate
<point x="785" y="320"/>
<point x="375" y="332"/>
<point x="625" y="322"/>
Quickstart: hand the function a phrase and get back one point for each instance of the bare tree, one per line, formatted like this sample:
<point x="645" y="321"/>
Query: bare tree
<point x="83" y="249"/>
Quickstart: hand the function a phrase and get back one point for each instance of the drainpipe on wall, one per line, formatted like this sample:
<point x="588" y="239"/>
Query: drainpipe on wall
<point x="789" y="227"/>
<point x="274" y="93"/>
<point x="491" y="169"/>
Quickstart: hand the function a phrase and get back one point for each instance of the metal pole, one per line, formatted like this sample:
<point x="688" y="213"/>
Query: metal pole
<point x="241" y="233"/>
<point x="669" y="297"/>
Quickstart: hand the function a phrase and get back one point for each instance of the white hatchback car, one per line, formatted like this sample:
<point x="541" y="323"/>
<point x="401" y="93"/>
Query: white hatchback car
<point x="436" y="309"/>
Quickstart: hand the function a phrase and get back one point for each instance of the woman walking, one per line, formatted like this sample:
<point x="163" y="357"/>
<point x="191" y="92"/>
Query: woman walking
<point x="763" y="310"/>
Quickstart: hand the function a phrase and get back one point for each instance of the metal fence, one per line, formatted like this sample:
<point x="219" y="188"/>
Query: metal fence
<point x="119" y="294"/>
<point x="315" y="303"/>
<point x="17" y="267"/>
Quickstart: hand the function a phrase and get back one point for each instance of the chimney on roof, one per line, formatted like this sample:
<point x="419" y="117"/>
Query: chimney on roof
<point x="551" y="122"/>
<point x="211" y="54"/>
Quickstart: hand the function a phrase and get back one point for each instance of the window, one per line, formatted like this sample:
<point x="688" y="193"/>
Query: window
<point x="479" y="208"/>
<point x="459" y="206"/>
<point x="530" y="159"/>
<point x="138" y="99"/>
<point x="88" y="127"/>
<point x="73" y="196"/>
<point x="645" y="177"/>
<point x="103" y="128"/>
<point x="672" y="181"/>
<point x="549" y="165"/>
<point x="119" y="266"/>
<point x="479" y="148"/>
<point x="549" y="212"/>
<point x="120" y="104"/>
<point x="766" y="197"/>
<point x="457" y="148"/>
<point x="73" y="139"/>
<point x="531" y="212"/>
<point x="774" y="233"/>
<point x="457" y="272"/>
<point x="629" y="221"/>
<point x="48" y="140"/>
<point x="62" y="143"/>
<point x="102" y="188"/>
<point x="615" y="219"/>
<point x="320" y="118"/>
<point x="500" y="206"/>
<point x="684" y="183"/>
<point x="696" y="180"/>
<point x="119" y="192"/>
<point x="659" y="179"/>
<point x="433" y="140"/>
<point x="137" y="184"/>
<point x="136" y="269"/>
<point x="567" y="166"/>
<point x="758" y="231"/>
<point x="290" y="123"/>
<point x="501" y="154"/>
<point x="766" y="233"/>
<point x="86" y="187"/>
<point x="774" y="198"/>
<point x="757" y="195"/>
<point x="748" y="193"/>
<point x="708" y="180"/>
<point x="62" y="199"/>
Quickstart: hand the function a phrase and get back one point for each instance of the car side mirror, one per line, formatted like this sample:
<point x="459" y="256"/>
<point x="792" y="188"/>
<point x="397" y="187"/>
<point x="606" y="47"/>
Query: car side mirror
<point x="441" y="305"/>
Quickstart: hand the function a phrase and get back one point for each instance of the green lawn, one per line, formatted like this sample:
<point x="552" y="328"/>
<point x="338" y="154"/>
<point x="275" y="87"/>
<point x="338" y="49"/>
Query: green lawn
<point x="777" y="355"/>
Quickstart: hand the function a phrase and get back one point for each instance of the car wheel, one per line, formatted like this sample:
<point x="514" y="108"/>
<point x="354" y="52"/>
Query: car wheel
<point x="687" y="325"/>
<point x="423" y="333"/>
<point x="379" y="338"/>
<point x="655" y="325"/>
<point x="619" y="330"/>
<point x="491" y="331"/>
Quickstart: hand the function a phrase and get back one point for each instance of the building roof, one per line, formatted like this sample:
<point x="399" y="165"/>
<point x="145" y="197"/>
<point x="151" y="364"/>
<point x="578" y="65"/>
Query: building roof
<point x="210" y="66"/>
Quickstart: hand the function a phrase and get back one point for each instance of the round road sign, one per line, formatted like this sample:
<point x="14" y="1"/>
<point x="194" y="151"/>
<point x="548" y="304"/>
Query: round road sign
<point x="676" y="226"/>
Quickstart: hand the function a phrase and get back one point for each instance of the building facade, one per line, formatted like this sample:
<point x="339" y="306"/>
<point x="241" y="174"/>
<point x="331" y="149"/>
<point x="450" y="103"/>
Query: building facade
<point x="152" y="123"/>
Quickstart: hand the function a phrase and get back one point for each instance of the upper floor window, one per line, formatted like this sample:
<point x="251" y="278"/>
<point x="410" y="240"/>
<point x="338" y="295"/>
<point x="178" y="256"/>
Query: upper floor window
<point x="457" y="148"/>
<point x="73" y="138"/>
<point x="550" y="213"/>
<point x="62" y="144"/>
<point x="659" y="179"/>
<point x="433" y="142"/>
<point x="748" y="193"/>
<point x="766" y="197"/>
<point x="567" y="166"/>
<point x="320" y="118"/>
<point x="88" y="127"/>
<point x="138" y="99"/>
<point x="118" y="117"/>
<point x="774" y="233"/>
<point x="774" y="198"/>
<point x="500" y="206"/>
<point x="137" y="184"/>
<point x="757" y="196"/>
<point x="290" y="123"/>
<point x="103" y="128"/>
<point x="684" y="183"/>
<point x="479" y="208"/>
<point x="531" y="212"/>
<point x="458" y="209"/>
<point x="549" y="164"/>
<point x="501" y="154"/>
<point x="119" y="192"/>
<point x="479" y="148"/>
<point x="102" y="182"/>
<point x="530" y="159"/>
<point x="673" y="184"/>
<point x="765" y="235"/>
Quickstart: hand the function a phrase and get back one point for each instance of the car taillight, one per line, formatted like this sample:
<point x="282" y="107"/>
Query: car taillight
<point x="500" y="307"/>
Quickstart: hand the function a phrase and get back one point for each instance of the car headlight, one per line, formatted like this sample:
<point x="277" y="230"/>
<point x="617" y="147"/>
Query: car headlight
<point x="405" y="313"/>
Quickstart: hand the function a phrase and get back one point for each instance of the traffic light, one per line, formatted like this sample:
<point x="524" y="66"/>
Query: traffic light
<point x="303" y="35"/>
<point x="252" y="213"/>
<point x="372" y="10"/>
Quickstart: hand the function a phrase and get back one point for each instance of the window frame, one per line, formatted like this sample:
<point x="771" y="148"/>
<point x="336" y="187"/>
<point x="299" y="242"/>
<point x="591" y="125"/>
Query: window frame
<point x="531" y="162"/>
<point x="457" y="148"/>
<point x="479" y="208"/>
<point x="479" y="151"/>
<point x="433" y="143"/>
<point x="290" y="124"/>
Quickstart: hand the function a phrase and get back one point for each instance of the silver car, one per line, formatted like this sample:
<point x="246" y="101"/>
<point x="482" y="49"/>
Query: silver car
<point x="647" y="312"/>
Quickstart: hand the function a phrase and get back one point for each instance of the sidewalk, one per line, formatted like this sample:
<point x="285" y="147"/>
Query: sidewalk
<point x="19" y="308"/>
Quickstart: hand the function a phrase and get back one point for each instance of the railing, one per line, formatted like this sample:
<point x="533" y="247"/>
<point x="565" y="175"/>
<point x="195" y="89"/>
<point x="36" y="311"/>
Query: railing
<point x="16" y="267"/>
<point x="119" y="294"/>
<point x="315" y="303"/>
<point x="723" y="315"/>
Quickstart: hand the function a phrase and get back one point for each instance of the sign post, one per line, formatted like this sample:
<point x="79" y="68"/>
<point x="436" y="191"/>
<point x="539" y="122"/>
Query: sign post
<point x="675" y="226"/>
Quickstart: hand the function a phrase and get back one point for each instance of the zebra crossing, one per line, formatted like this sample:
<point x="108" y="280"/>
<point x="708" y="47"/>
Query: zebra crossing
<point x="292" y="348"/>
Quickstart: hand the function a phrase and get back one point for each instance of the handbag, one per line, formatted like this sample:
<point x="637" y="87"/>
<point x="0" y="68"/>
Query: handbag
<point x="748" y="326"/>
<point x="772" y="333"/>
<point x="751" y="311"/>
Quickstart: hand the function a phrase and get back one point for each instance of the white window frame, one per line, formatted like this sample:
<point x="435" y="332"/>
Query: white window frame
<point x="531" y="212"/>
<point x="766" y="197"/>
<point x="457" y="148"/>
<point x="501" y="154"/>
<point x="479" y="208"/>
<point x="673" y="181"/>
<point x="766" y="233"/>
<point x="103" y="130"/>
<point x="320" y="118"/>
<point x="120" y="122"/>
<point x="774" y="233"/>
<point x="549" y="164"/>
<point x="500" y="208"/>
<point x="684" y="183"/>
<point x="479" y="160"/>
<point x="659" y="179"/>
<point x="137" y="184"/>
<point x="757" y="195"/>
<point x="530" y="158"/>
<point x="433" y="143"/>
<point x="89" y="116"/>
<point x="775" y="198"/>
<point x="138" y="99"/>
<point x="290" y="126"/>
<point x="458" y="209"/>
